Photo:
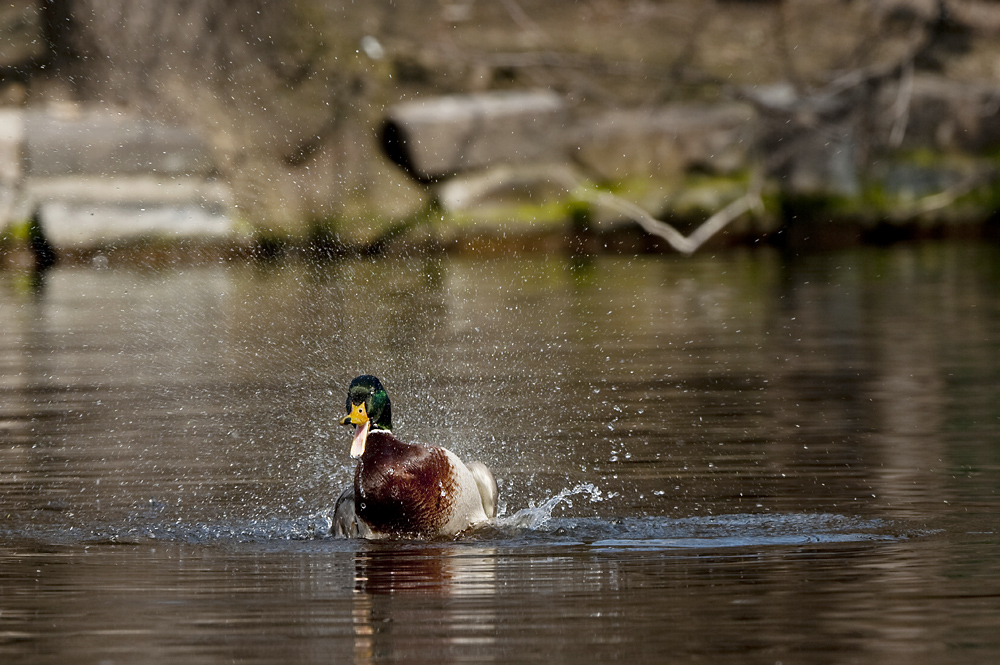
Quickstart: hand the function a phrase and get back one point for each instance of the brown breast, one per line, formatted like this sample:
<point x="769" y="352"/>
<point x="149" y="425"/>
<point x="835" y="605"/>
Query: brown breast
<point x="403" y="488"/>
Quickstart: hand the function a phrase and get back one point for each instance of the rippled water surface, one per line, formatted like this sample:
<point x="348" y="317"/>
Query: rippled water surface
<point x="741" y="458"/>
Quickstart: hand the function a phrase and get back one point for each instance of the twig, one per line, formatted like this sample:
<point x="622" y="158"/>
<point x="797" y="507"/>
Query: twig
<point x="684" y="244"/>
<point x="945" y="198"/>
<point x="901" y="108"/>
<point x="525" y="22"/>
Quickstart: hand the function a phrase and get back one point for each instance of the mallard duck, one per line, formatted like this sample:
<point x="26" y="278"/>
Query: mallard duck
<point x="404" y="488"/>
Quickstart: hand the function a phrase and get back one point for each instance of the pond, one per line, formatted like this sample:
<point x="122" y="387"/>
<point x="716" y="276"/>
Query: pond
<point x="734" y="458"/>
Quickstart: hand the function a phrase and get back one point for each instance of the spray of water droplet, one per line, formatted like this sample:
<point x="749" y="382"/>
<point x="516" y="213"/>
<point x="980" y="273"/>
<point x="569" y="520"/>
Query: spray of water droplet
<point x="534" y="517"/>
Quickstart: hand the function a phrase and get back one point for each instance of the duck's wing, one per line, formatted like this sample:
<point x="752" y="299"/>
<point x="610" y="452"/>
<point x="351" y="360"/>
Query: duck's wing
<point x="345" y="518"/>
<point x="487" y="485"/>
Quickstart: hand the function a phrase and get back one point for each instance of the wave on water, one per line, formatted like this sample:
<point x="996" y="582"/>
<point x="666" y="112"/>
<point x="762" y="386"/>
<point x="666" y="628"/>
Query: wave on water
<point x="536" y="524"/>
<point x="530" y="527"/>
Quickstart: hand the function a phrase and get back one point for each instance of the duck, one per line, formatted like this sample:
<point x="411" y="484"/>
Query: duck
<point x="405" y="489"/>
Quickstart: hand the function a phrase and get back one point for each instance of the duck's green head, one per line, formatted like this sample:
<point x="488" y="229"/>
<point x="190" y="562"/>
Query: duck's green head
<point x="367" y="408"/>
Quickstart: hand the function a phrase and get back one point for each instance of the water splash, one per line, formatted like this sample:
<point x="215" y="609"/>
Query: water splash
<point x="531" y="528"/>
<point x="540" y="525"/>
<point x="535" y="517"/>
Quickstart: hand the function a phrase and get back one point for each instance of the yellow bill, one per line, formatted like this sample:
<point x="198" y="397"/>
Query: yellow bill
<point x="359" y="417"/>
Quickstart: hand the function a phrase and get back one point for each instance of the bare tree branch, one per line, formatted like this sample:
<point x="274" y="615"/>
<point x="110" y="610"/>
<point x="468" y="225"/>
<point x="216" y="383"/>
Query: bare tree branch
<point x="901" y="108"/>
<point x="751" y="200"/>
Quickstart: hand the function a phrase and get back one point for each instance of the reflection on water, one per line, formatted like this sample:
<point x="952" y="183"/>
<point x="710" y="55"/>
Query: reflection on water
<point x="738" y="459"/>
<point x="439" y="579"/>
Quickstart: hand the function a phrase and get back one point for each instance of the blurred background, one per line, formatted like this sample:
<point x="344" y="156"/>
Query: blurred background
<point x="285" y="123"/>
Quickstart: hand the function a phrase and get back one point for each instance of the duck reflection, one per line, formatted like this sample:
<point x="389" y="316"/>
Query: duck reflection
<point x="417" y="587"/>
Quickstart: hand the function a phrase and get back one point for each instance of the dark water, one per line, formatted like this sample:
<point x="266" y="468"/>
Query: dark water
<point x="731" y="459"/>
